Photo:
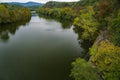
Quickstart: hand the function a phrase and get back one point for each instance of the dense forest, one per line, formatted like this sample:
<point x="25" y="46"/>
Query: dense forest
<point x="54" y="4"/>
<point x="13" y="13"/>
<point x="58" y="10"/>
<point x="99" y="22"/>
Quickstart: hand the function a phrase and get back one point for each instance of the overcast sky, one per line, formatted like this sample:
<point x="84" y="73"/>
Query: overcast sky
<point x="42" y="1"/>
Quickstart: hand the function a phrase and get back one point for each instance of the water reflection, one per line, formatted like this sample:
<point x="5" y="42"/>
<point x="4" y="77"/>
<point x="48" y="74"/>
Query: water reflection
<point x="84" y="43"/>
<point x="9" y="29"/>
<point x="66" y="24"/>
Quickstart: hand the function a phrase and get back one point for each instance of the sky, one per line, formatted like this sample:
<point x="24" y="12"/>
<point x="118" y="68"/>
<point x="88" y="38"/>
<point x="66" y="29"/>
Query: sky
<point x="40" y="1"/>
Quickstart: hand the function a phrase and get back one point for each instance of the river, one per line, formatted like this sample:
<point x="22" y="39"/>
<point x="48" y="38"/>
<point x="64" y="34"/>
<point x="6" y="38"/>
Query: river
<point x="41" y="49"/>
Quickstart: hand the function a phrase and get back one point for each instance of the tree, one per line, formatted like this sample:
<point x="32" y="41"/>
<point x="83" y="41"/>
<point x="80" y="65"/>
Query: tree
<point x="83" y="70"/>
<point x="106" y="57"/>
<point x="4" y="14"/>
<point x="114" y="27"/>
<point x="10" y="14"/>
<point x="88" y="23"/>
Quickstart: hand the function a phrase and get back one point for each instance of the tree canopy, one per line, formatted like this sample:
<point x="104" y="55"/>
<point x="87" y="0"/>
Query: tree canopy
<point x="11" y="13"/>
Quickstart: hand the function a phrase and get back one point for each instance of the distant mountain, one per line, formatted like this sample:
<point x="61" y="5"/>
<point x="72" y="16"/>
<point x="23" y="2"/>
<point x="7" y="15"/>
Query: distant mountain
<point x="27" y="4"/>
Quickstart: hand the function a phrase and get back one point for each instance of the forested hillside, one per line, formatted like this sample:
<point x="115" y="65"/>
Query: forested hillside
<point x="54" y="4"/>
<point x="13" y="13"/>
<point x="99" y="22"/>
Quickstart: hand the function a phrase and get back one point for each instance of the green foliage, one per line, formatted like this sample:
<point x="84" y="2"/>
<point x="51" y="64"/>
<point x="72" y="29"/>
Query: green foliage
<point x="83" y="70"/>
<point x="4" y="14"/>
<point x="11" y="6"/>
<point x="88" y="23"/>
<point x="54" y="4"/>
<point x="60" y="13"/>
<point x="114" y="27"/>
<point x="10" y="14"/>
<point x="106" y="57"/>
<point x="84" y="3"/>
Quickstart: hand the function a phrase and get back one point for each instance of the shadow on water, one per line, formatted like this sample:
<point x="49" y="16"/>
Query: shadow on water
<point x="84" y="43"/>
<point x="7" y="29"/>
<point x="66" y="24"/>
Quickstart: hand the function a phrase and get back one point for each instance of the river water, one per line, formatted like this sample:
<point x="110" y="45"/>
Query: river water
<point x="41" y="49"/>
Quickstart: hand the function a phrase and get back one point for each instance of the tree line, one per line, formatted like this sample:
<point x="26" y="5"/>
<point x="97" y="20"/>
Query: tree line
<point x="13" y="13"/>
<point x="65" y="13"/>
<point x="54" y="4"/>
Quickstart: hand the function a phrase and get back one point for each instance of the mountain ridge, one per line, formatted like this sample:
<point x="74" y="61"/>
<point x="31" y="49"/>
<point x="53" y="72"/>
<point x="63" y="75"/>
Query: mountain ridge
<point x="26" y="4"/>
